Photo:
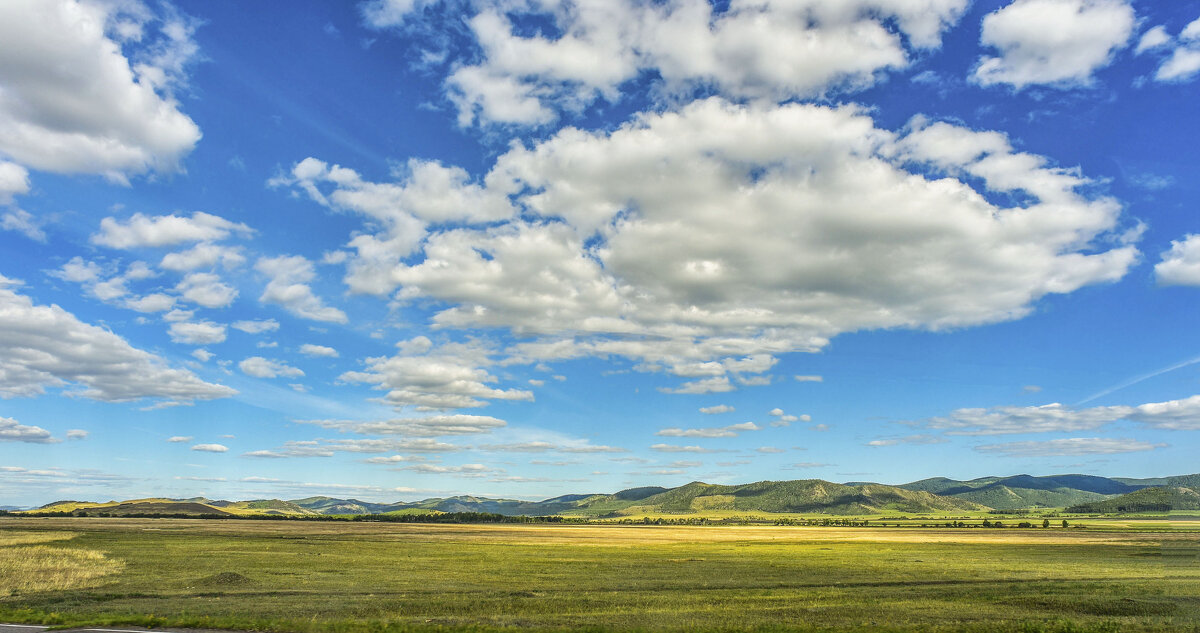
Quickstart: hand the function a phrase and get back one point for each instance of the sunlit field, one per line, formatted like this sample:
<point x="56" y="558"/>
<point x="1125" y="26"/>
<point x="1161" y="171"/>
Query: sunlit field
<point x="334" y="576"/>
<point x="29" y="566"/>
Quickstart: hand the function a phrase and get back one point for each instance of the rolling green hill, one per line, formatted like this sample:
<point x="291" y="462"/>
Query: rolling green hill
<point x="1026" y="491"/>
<point x="1155" y="499"/>
<point x="1182" y="481"/>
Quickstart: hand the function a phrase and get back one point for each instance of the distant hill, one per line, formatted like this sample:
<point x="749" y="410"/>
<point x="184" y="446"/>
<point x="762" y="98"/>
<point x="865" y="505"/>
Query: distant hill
<point x="1155" y="499"/>
<point x="330" y="505"/>
<point x="129" y="508"/>
<point x="808" y="496"/>
<point x="70" y="505"/>
<point x="634" y="494"/>
<point x="1182" y="481"/>
<point x="1026" y="491"/>
<point x="510" y="507"/>
<point x="262" y="506"/>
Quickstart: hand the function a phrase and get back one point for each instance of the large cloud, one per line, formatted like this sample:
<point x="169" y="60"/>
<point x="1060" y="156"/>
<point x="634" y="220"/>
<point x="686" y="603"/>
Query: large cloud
<point x="1054" y="42"/>
<point x="721" y="232"/>
<point x="85" y="87"/>
<point x="46" y="346"/>
<point x="755" y="49"/>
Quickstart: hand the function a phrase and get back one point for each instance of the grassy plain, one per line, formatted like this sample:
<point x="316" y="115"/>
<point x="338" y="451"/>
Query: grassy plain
<point x="336" y="577"/>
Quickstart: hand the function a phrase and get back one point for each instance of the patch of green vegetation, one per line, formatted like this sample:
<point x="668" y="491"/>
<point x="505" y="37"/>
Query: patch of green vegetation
<point x="347" y="577"/>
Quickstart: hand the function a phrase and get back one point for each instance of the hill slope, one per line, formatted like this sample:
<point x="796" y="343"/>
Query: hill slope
<point x="1156" y="499"/>
<point x="802" y="496"/>
<point x="1026" y="491"/>
<point x="129" y="508"/>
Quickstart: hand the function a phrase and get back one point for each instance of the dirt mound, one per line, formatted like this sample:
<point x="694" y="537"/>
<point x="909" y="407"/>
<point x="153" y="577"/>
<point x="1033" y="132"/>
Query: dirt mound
<point x="225" y="579"/>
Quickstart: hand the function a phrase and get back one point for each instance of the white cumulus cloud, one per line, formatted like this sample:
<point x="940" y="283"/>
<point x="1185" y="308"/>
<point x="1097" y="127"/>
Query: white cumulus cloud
<point x="707" y="241"/>
<point x="452" y="376"/>
<point x="752" y="50"/>
<point x="1180" y="266"/>
<point x="77" y="96"/>
<point x="206" y="289"/>
<point x="1053" y="42"/>
<point x="14" y="180"/>
<point x="287" y="286"/>
<point x="141" y="231"/>
<point x="1180" y="56"/>
<point x="13" y="431"/>
<point x="309" y="349"/>
<point x="203" y="255"/>
<point x="196" y="332"/>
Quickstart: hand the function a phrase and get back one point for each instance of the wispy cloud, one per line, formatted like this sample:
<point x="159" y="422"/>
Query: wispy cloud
<point x="1070" y="446"/>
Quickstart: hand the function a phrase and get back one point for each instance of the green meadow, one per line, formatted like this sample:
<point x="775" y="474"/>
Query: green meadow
<point x="377" y="577"/>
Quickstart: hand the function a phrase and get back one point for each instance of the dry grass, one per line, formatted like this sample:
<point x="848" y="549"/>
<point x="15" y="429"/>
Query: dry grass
<point x="31" y="538"/>
<point x="26" y="567"/>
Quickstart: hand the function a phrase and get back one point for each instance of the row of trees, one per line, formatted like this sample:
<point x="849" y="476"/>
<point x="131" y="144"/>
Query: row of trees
<point x="830" y="522"/>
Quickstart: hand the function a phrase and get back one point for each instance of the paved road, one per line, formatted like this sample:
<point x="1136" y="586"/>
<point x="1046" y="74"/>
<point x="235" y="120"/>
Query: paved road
<point x="34" y="628"/>
<point x="22" y="628"/>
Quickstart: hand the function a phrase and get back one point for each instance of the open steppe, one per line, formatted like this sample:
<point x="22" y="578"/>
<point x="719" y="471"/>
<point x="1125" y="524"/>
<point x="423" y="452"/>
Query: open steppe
<point x="343" y="576"/>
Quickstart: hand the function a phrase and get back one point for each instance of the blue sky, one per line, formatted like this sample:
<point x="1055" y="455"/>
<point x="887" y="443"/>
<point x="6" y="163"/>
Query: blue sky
<point x="397" y="249"/>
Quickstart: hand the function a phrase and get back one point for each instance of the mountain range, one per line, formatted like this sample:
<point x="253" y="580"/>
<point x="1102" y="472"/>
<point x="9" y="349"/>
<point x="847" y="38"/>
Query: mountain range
<point x="1078" y="493"/>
